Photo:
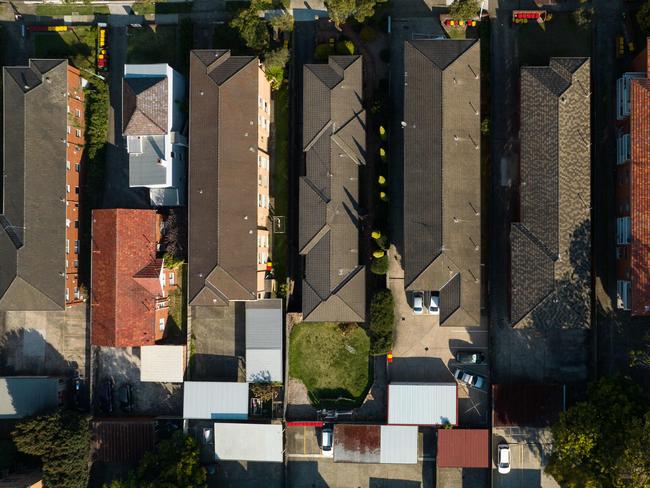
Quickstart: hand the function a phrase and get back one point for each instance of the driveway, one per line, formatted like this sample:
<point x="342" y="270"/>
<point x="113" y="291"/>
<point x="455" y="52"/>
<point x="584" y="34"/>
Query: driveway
<point x="117" y="193"/>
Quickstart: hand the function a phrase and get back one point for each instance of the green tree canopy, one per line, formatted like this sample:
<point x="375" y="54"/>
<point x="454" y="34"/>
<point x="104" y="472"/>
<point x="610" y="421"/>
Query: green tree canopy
<point x="282" y="22"/>
<point x="643" y="17"/>
<point x="382" y="320"/>
<point x="595" y="441"/>
<point x="341" y="10"/>
<point x="464" y="9"/>
<point x="174" y="463"/>
<point x="252" y="28"/>
<point x="274" y="64"/>
<point x="62" y="441"/>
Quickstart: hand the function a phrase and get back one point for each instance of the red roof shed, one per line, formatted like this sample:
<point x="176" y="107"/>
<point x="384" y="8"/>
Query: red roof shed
<point x="463" y="448"/>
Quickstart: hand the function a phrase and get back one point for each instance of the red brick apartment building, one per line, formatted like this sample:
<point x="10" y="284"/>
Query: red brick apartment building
<point x="43" y="139"/>
<point x="130" y="284"/>
<point x="632" y="191"/>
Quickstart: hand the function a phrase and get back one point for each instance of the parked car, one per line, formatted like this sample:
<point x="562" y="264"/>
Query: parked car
<point x="106" y="396"/>
<point x="125" y="395"/>
<point x="434" y="305"/>
<point x="470" y="357"/>
<point x="504" y="458"/>
<point x="470" y="379"/>
<point x="418" y="303"/>
<point x="327" y="440"/>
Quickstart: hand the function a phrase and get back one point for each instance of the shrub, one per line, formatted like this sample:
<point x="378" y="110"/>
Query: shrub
<point x="368" y="34"/>
<point x="380" y="265"/>
<point x="252" y="29"/>
<point x="322" y="51"/>
<point x="382" y="320"/>
<point x="464" y="9"/>
<point x="274" y="64"/>
<point x="582" y="17"/>
<point x="485" y="127"/>
<point x="345" y="47"/>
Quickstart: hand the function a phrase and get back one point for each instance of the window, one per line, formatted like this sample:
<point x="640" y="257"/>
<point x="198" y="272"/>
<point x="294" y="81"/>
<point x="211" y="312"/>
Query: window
<point x="76" y="263"/>
<point x="67" y="246"/>
<point x="164" y="279"/>
<point x="67" y="188"/>
<point x="77" y="167"/>
<point x="68" y="108"/>
<point x="76" y="224"/>
<point x="77" y="112"/>
<point x="67" y="165"/>
<point x="69" y="130"/>
<point x="623" y="294"/>
<point x="161" y="324"/>
<point x="66" y="264"/>
<point x="67" y="222"/>
<point x="171" y="278"/>
<point x="67" y="294"/>
<point x="77" y="132"/>
<point x="76" y="247"/>
<point x="259" y="199"/>
<point x="623" y="230"/>
<point x="76" y="293"/>
<point x="76" y="190"/>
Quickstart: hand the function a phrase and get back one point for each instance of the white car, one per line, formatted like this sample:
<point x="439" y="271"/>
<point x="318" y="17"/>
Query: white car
<point x="504" y="458"/>
<point x="418" y="303"/>
<point x="434" y="305"/>
<point x="327" y="440"/>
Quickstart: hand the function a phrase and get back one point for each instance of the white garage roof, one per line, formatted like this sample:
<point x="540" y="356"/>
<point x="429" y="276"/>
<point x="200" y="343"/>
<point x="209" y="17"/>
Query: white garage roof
<point x="248" y="442"/>
<point x="212" y="400"/>
<point x="264" y="341"/>
<point x="162" y="364"/>
<point x="422" y="403"/>
<point x="399" y="444"/>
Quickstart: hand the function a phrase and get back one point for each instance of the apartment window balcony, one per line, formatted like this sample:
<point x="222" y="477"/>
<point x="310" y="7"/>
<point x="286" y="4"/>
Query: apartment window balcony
<point x="623" y="230"/>
<point x="160" y="304"/>
<point x="623" y="91"/>
<point x="623" y="292"/>
<point x="623" y="149"/>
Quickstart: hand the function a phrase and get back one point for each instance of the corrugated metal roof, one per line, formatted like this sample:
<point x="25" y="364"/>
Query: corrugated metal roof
<point x="162" y="364"/>
<point x="24" y="396"/>
<point x="422" y="404"/>
<point x="248" y="442"/>
<point x="122" y="440"/>
<point x="399" y="444"/>
<point x="215" y="400"/>
<point x="356" y="443"/>
<point x="463" y="448"/>
<point x="264" y="341"/>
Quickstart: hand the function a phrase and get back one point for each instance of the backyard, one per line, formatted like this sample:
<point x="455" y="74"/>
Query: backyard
<point x="280" y="183"/>
<point x="176" y="328"/>
<point x="160" y="44"/>
<point x="78" y="44"/>
<point x="332" y="362"/>
<point x="559" y="37"/>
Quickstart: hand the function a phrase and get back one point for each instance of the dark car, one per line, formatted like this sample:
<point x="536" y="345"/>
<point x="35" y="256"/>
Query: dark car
<point x="470" y="357"/>
<point x="125" y="395"/>
<point x="106" y="396"/>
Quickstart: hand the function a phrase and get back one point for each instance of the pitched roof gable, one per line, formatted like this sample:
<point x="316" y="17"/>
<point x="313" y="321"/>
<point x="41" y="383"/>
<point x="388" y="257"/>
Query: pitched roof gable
<point x="144" y="105"/>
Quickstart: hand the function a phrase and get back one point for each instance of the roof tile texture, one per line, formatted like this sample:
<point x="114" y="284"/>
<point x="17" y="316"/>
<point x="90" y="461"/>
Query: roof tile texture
<point x="463" y="448"/>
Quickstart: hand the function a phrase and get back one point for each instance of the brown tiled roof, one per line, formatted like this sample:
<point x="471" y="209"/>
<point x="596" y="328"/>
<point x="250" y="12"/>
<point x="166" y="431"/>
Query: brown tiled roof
<point x="123" y="303"/>
<point x="122" y="441"/>
<point x="222" y="182"/>
<point x="640" y="196"/>
<point x="144" y="105"/>
<point x="463" y="448"/>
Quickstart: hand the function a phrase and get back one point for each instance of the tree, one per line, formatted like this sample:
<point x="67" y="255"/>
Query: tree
<point x="96" y="94"/>
<point x="282" y="22"/>
<point x="582" y="17"/>
<point x="345" y="47"/>
<point x="379" y="265"/>
<point x="265" y="391"/>
<point x="382" y="319"/>
<point x="252" y="28"/>
<point x="341" y="10"/>
<point x="595" y="441"/>
<point x="175" y="462"/>
<point x="62" y="441"/>
<point x="643" y="17"/>
<point x="464" y="9"/>
<point x="274" y="64"/>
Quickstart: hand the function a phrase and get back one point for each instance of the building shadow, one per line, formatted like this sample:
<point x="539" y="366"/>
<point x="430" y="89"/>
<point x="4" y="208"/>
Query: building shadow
<point x="419" y="370"/>
<point x="304" y="474"/>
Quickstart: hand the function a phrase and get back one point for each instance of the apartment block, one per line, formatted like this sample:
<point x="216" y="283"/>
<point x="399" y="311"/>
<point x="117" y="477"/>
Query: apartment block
<point x="43" y="134"/>
<point x="228" y="184"/>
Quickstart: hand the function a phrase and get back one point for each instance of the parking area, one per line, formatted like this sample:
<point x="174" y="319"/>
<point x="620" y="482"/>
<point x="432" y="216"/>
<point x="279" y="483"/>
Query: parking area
<point x="122" y="366"/>
<point x="44" y="343"/>
<point x="219" y="337"/>
<point x="529" y="450"/>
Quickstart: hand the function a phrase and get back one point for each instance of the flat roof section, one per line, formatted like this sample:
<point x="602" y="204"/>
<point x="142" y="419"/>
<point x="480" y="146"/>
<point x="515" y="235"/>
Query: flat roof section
<point x="249" y="442"/>
<point x="212" y="400"/>
<point x="422" y="403"/>
<point x="162" y="364"/>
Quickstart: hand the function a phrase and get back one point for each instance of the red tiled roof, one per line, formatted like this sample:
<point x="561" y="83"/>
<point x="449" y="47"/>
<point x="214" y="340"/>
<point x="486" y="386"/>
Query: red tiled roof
<point x="640" y="196"/>
<point x="463" y="448"/>
<point x="123" y="310"/>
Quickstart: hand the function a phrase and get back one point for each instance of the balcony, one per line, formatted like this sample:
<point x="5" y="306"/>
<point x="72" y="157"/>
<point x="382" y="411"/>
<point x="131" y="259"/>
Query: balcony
<point x="623" y="149"/>
<point x="623" y="90"/>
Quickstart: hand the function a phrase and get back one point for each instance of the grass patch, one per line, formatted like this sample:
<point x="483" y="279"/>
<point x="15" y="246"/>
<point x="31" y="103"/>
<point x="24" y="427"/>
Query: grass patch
<point x="78" y="44"/>
<point x="561" y="37"/>
<point x="280" y="182"/>
<point x="332" y="361"/>
<point x="161" y="44"/>
<point x="176" y="327"/>
<point x="50" y="10"/>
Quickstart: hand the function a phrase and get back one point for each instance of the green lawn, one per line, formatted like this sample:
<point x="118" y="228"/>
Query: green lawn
<point x="332" y="361"/>
<point x="78" y="44"/>
<point x="561" y="37"/>
<point x="176" y="328"/>
<point x="53" y="10"/>
<point x="280" y="182"/>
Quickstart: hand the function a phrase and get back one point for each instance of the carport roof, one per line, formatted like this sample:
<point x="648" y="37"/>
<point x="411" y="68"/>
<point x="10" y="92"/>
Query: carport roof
<point x="248" y="442"/>
<point x="215" y="400"/>
<point x="422" y="403"/>
<point x="122" y="440"/>
<point x="162" y="364"/>
<point x="463" y="448"/>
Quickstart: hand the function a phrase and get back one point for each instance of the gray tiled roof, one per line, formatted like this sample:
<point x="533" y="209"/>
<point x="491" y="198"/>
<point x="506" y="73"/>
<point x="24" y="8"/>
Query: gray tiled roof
<point x="334" y="143"/>
<point x="442" y="176"/>
<point x="550" y="245"/>
<point x="222" y="184"/>
<point x="32" y="272"/>
<point x="144" y="105"/>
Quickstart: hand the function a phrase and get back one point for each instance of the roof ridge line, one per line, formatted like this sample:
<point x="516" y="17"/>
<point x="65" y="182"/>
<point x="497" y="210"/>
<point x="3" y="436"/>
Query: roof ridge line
<point x="318" y="135"/>
<point x="314" y="240"/>
<point x="535" y="240"/>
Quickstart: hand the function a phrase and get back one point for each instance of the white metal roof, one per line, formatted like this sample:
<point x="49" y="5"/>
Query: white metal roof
<point x="248" y="442"/>
<point x="28" y="395"/>
<point x="215" y="400"/>
<point x="399" y="444"/>
<point x="162" y="364"/>
<point x="264" y="341"/>
<point x="422" y="403"/>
